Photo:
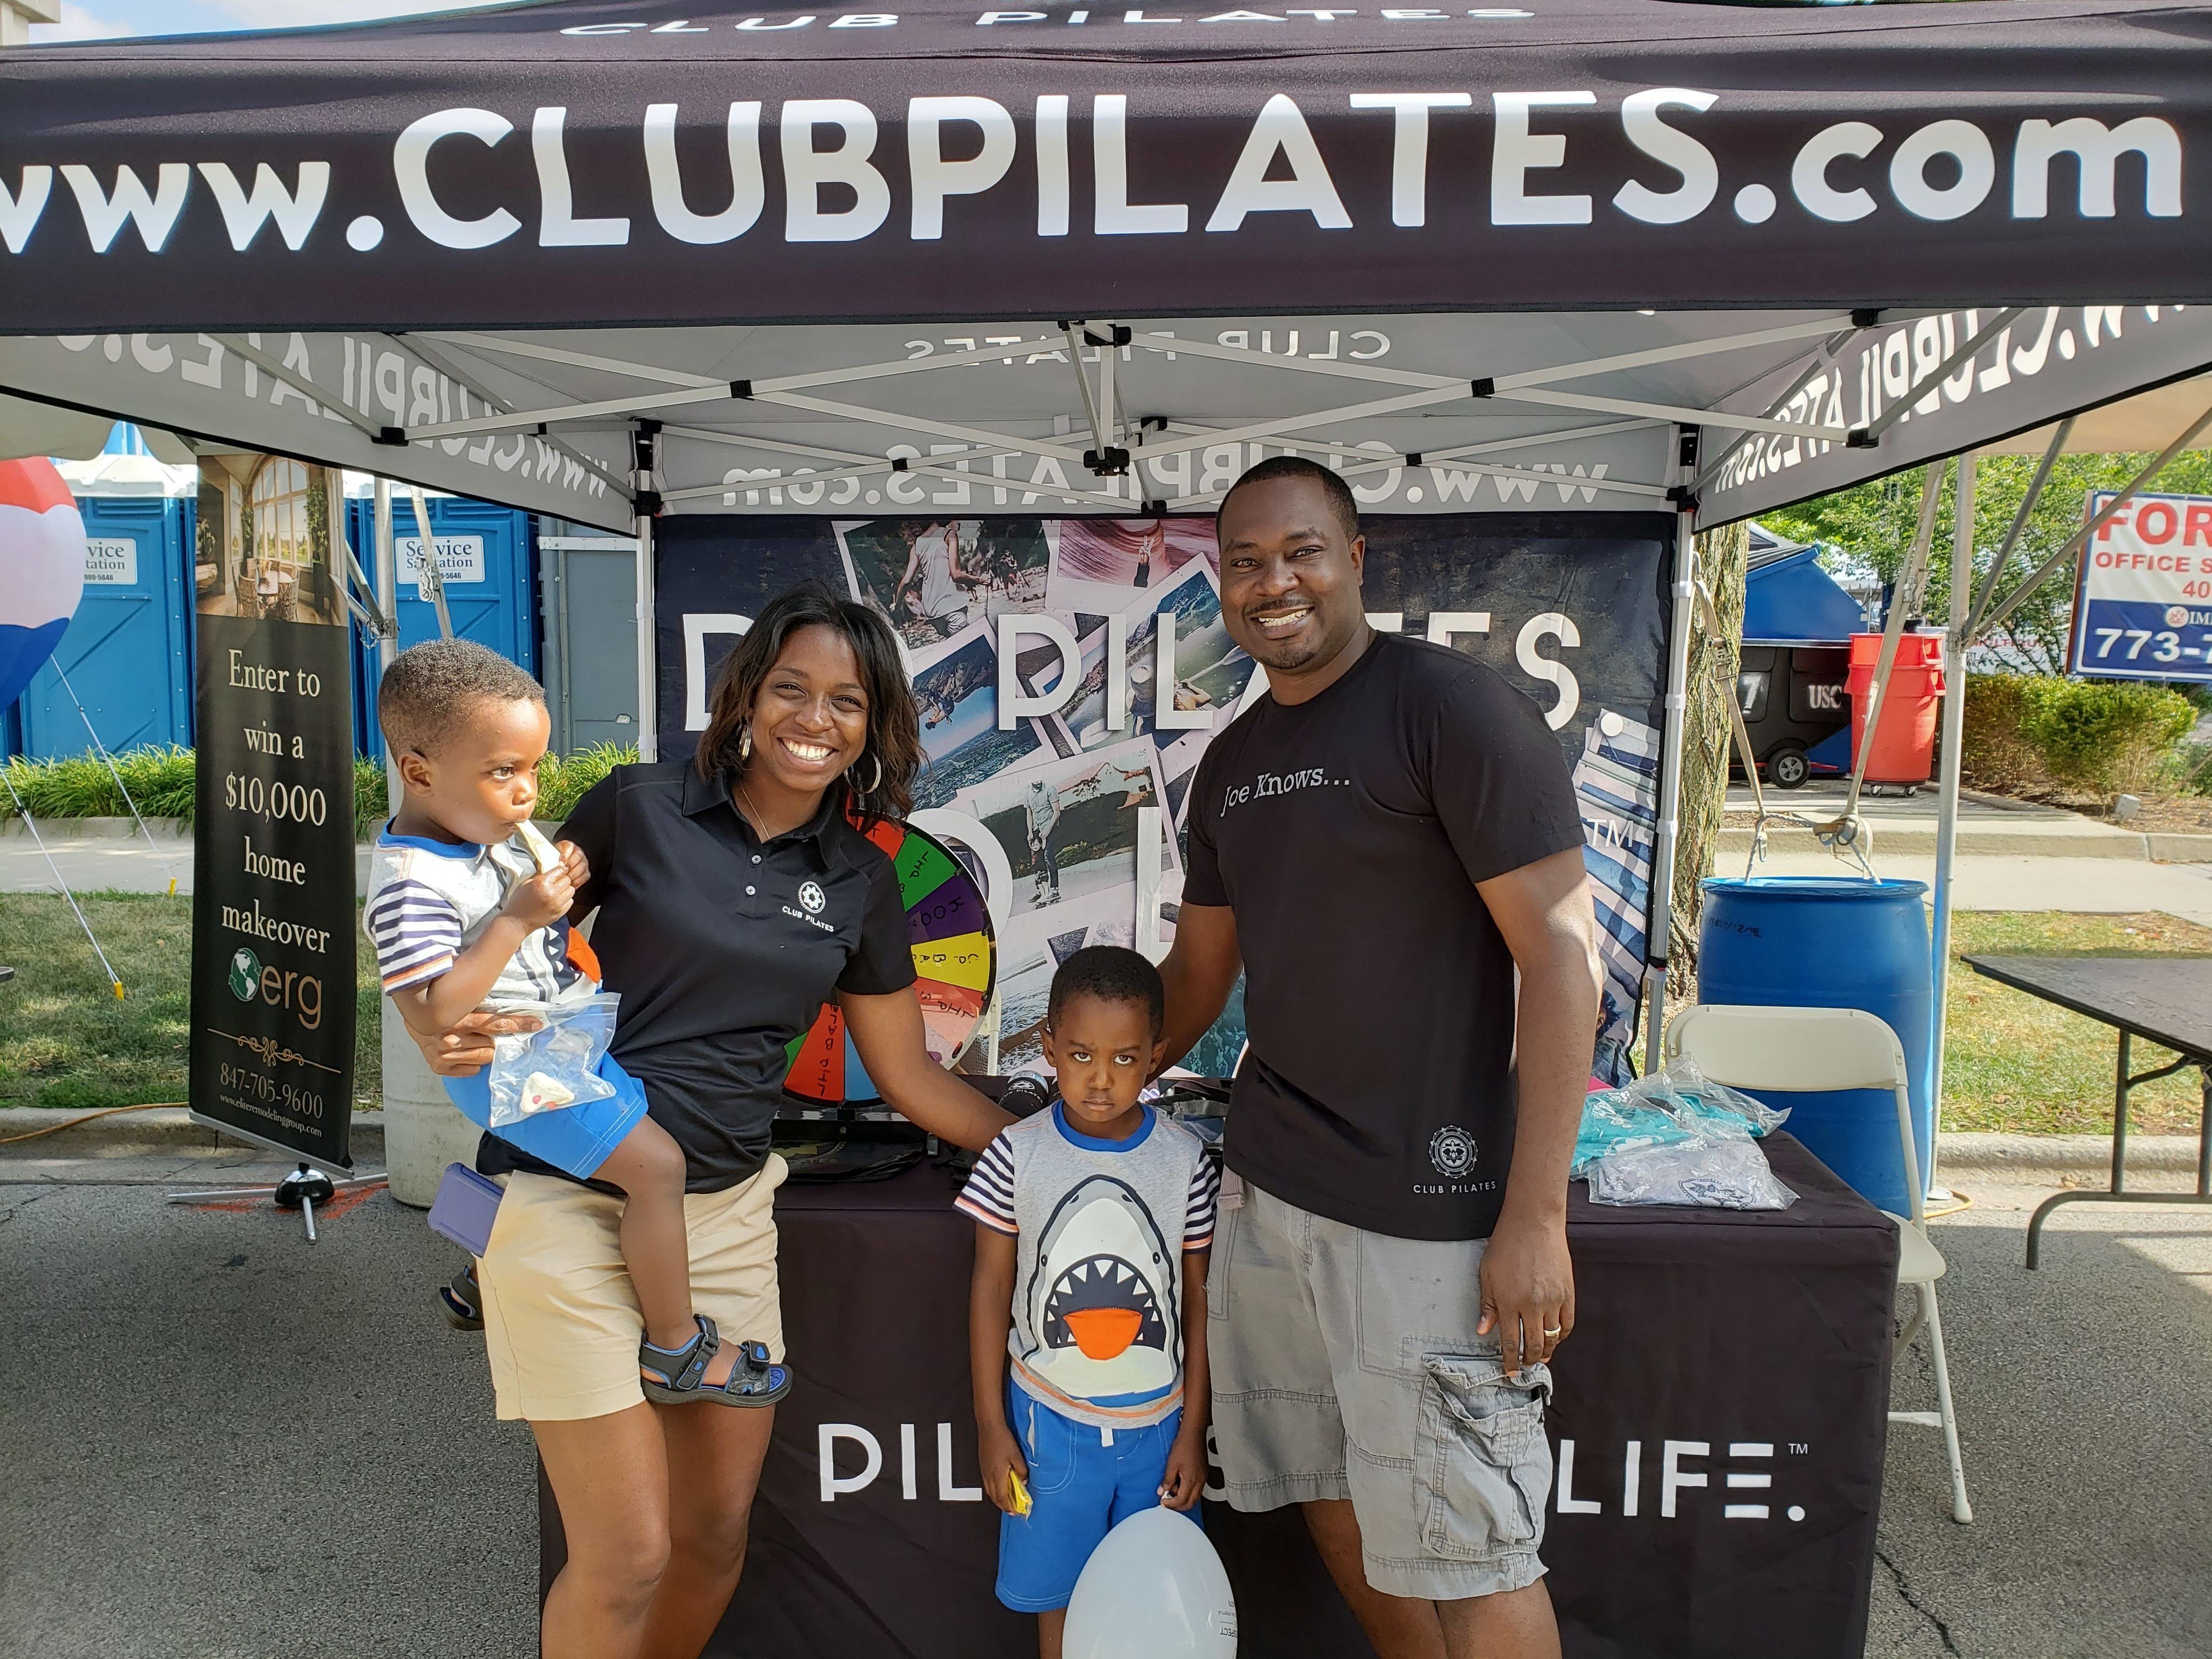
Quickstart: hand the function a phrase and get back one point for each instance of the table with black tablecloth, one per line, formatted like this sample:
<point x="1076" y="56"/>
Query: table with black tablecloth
<point x="1719" y="1422"/>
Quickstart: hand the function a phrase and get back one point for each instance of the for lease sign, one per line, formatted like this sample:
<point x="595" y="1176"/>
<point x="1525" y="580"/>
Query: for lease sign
<point x="2143" y="608"/>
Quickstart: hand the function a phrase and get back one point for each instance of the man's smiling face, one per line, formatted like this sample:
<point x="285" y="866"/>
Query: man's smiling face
<point x="1291" y="572"/>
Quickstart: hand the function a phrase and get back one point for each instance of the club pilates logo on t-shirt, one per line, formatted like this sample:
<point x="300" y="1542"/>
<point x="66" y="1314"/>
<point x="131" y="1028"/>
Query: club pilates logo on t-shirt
<point x="1454" y="1153"/>
<point x="1265" y="784"/>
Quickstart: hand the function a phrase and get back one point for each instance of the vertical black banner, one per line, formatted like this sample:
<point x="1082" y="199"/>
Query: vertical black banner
<point x="273" y="916"/>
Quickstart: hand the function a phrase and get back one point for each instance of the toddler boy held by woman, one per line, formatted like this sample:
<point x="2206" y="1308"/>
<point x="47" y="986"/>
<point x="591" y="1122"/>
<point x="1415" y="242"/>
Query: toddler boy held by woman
<point x="468" y="908"/>
<point x="1093" y="1221"/>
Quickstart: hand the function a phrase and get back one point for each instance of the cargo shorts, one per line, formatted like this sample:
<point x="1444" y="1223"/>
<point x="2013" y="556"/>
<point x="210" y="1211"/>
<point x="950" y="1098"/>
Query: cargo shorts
<point x="1345" y="1365"/>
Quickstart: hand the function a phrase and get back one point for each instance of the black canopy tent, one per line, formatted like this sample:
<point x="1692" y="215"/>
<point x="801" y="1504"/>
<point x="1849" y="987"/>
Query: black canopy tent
<point x="617" y="261"/>
<point x="614" y="260"/>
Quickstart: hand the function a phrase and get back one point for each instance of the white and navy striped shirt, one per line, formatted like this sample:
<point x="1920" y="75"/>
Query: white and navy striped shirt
<point x="429" y="900"/>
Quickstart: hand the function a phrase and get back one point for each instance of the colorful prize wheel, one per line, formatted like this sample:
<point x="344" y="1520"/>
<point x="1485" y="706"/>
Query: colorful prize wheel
<point x="955" y="960"/>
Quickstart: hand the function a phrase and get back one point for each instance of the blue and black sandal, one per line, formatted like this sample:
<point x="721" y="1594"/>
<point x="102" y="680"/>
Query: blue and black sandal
<point x="676" y="1377"/>
<point x="460" y="1298"/>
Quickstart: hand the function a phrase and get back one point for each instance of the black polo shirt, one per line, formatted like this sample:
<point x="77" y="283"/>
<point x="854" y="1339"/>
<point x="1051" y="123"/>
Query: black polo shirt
<point x="723" y="949"/>
<point x="1348" y="833"/>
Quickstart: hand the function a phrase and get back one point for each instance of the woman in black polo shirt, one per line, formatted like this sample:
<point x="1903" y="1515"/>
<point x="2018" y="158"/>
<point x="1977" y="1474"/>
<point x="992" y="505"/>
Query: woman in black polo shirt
<point x="733" y="898"/>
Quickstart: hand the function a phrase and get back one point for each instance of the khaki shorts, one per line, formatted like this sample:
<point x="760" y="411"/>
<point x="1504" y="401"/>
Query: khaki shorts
<point x="1345" y="1365"/>
<point x="562" y="1324"/>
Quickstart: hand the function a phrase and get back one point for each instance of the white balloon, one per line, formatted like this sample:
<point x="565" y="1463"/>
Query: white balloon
<point x="1152" y="1589"/>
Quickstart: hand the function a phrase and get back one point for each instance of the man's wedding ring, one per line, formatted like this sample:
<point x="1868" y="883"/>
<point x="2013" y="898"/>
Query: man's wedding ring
<point x="1551" y="1330"/>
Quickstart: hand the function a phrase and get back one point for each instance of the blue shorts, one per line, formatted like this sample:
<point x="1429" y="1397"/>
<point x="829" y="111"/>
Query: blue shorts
<point x="575" y="1139"/>
<point x="1081" y="1488"/>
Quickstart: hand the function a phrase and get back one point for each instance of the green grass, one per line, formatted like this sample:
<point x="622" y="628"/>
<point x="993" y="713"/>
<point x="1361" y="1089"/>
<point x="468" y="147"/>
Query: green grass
<point x="66" y="1041"/>
<point x="2015" y="1063"/>
<point x="2018" y="1063"/>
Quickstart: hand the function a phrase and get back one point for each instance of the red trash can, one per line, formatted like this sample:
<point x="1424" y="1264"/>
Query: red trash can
<point x="1904" y="745"/>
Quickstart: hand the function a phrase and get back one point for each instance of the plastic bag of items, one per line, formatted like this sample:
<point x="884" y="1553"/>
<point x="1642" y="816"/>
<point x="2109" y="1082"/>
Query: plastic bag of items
<point x="1675" y="1137"/>
<point x="557" y="1065"/>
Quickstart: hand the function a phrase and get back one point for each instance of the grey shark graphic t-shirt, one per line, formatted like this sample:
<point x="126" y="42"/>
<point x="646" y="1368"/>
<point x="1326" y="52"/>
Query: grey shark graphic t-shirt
<point x="1101" y="1230"/>
<point x="1347" y="833"/>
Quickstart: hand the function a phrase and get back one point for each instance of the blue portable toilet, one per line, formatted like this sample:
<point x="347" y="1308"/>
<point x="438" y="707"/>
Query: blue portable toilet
<point x="488" y="557"/>
<point x="128" y="653"/>
<point x="1797" y="625"/>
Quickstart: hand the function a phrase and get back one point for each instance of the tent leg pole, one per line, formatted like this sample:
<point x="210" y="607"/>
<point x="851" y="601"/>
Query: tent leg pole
<point x="387" y="557"/>
<point x="1947" y="799"/>
<point x="648" y="722"/>
<point x="1670" y="789"/>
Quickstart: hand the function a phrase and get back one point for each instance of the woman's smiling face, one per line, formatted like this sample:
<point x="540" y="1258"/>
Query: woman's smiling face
<point x="811" y="720"/>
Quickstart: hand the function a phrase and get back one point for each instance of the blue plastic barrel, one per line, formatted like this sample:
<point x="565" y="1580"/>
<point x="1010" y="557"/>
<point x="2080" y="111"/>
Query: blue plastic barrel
<point x="1822" y="942"/>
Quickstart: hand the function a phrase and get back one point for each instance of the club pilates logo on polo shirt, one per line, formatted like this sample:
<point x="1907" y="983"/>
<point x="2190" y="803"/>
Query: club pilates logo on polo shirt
<point x="812" y="901"/>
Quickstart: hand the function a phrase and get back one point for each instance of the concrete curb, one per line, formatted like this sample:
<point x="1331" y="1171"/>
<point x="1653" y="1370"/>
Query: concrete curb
<point x="2062" y="1154"/>
<point x="53" y="830"/>
<point x="168" y="1128"/>
<point x="159" y="1128"/>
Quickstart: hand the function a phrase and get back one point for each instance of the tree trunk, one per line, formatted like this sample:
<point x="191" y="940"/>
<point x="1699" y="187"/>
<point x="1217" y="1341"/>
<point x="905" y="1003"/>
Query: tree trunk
<point x="1708" y="735"/>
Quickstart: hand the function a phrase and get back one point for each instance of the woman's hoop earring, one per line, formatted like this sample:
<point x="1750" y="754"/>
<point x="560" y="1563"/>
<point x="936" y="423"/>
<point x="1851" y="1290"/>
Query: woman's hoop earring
<point x="744" y="743"/>
<point x="876" y="782"/>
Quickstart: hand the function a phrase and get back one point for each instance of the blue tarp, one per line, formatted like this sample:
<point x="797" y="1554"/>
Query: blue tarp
<point x="1789" y="599"/>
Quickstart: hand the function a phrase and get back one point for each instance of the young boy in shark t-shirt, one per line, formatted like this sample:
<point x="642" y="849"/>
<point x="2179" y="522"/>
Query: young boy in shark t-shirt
<point x="1094" y="1219"/>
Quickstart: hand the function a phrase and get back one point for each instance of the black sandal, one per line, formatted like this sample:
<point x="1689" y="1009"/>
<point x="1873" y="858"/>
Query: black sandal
<point x="460" y="1298"/>
<point x="674" y="1377"/>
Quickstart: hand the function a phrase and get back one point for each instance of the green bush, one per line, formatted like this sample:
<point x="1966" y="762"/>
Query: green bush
<point x="2103" y="736"/>
<point x="161" y="782"/>
<point x="562" y="780"/>
<point x="159" y="779"/>
<point x="1995" y="749"/>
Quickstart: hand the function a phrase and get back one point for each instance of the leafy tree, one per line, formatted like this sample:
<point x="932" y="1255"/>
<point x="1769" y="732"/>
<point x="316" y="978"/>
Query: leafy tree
<point x="1871" y="525"/>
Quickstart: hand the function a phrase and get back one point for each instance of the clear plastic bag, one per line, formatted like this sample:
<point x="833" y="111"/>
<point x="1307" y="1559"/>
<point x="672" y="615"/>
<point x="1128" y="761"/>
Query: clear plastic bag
<point x="1669" y="1108"/>
<point x="1710" y="1173"/>
<point x="555" y="1066"/>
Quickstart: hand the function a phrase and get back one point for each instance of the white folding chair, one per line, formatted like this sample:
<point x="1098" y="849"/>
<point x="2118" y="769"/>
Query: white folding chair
<point x="1807" y="1050"/>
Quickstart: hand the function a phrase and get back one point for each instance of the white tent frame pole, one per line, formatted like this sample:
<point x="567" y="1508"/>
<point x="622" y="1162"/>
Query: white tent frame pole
<point x="934" y="466"/>
<point x="2081" y="538"/>
<point x="446" y="365"/>
<point x="1902" y="592"/>
<point x="1830" y="349"/>
<point x="2028" y="501"/>
<point x="648" y="663"/>
<point x="387" y="557"/>
<point x="1659" y="924"/>
<point x="1679" y="352"/>
<point x="1922" y="386"/>
<point x="685" y="389"/>
<point x="274" y="368"/>
<point x="431" y="574"/>
<point x="1947" y="799"/>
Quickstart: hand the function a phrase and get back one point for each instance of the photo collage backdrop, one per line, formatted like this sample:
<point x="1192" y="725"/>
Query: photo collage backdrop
<point x="1569" y="607"/>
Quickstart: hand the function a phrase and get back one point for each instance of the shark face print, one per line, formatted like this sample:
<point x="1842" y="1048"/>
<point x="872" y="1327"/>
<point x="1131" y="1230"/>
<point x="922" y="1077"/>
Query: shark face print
<point x="1101" y="1297"/>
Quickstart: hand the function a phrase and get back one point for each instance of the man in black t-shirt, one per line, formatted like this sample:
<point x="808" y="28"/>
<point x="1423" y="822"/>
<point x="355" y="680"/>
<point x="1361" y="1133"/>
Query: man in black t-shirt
<point x="1381" y="844"/>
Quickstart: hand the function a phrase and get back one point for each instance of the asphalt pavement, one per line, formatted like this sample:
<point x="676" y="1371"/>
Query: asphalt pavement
<point x="222" y="1443"/>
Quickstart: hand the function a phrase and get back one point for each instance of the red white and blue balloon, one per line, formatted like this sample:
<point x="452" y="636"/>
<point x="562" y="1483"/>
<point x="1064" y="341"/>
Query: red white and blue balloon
<point x="41" y="568"/>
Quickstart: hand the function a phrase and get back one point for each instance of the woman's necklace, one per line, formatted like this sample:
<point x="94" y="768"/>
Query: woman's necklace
<point x="752" y="813"/>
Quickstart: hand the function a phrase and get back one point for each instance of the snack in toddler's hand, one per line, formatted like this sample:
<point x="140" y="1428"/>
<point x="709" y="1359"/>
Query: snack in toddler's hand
<point x="543" y="851"/>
